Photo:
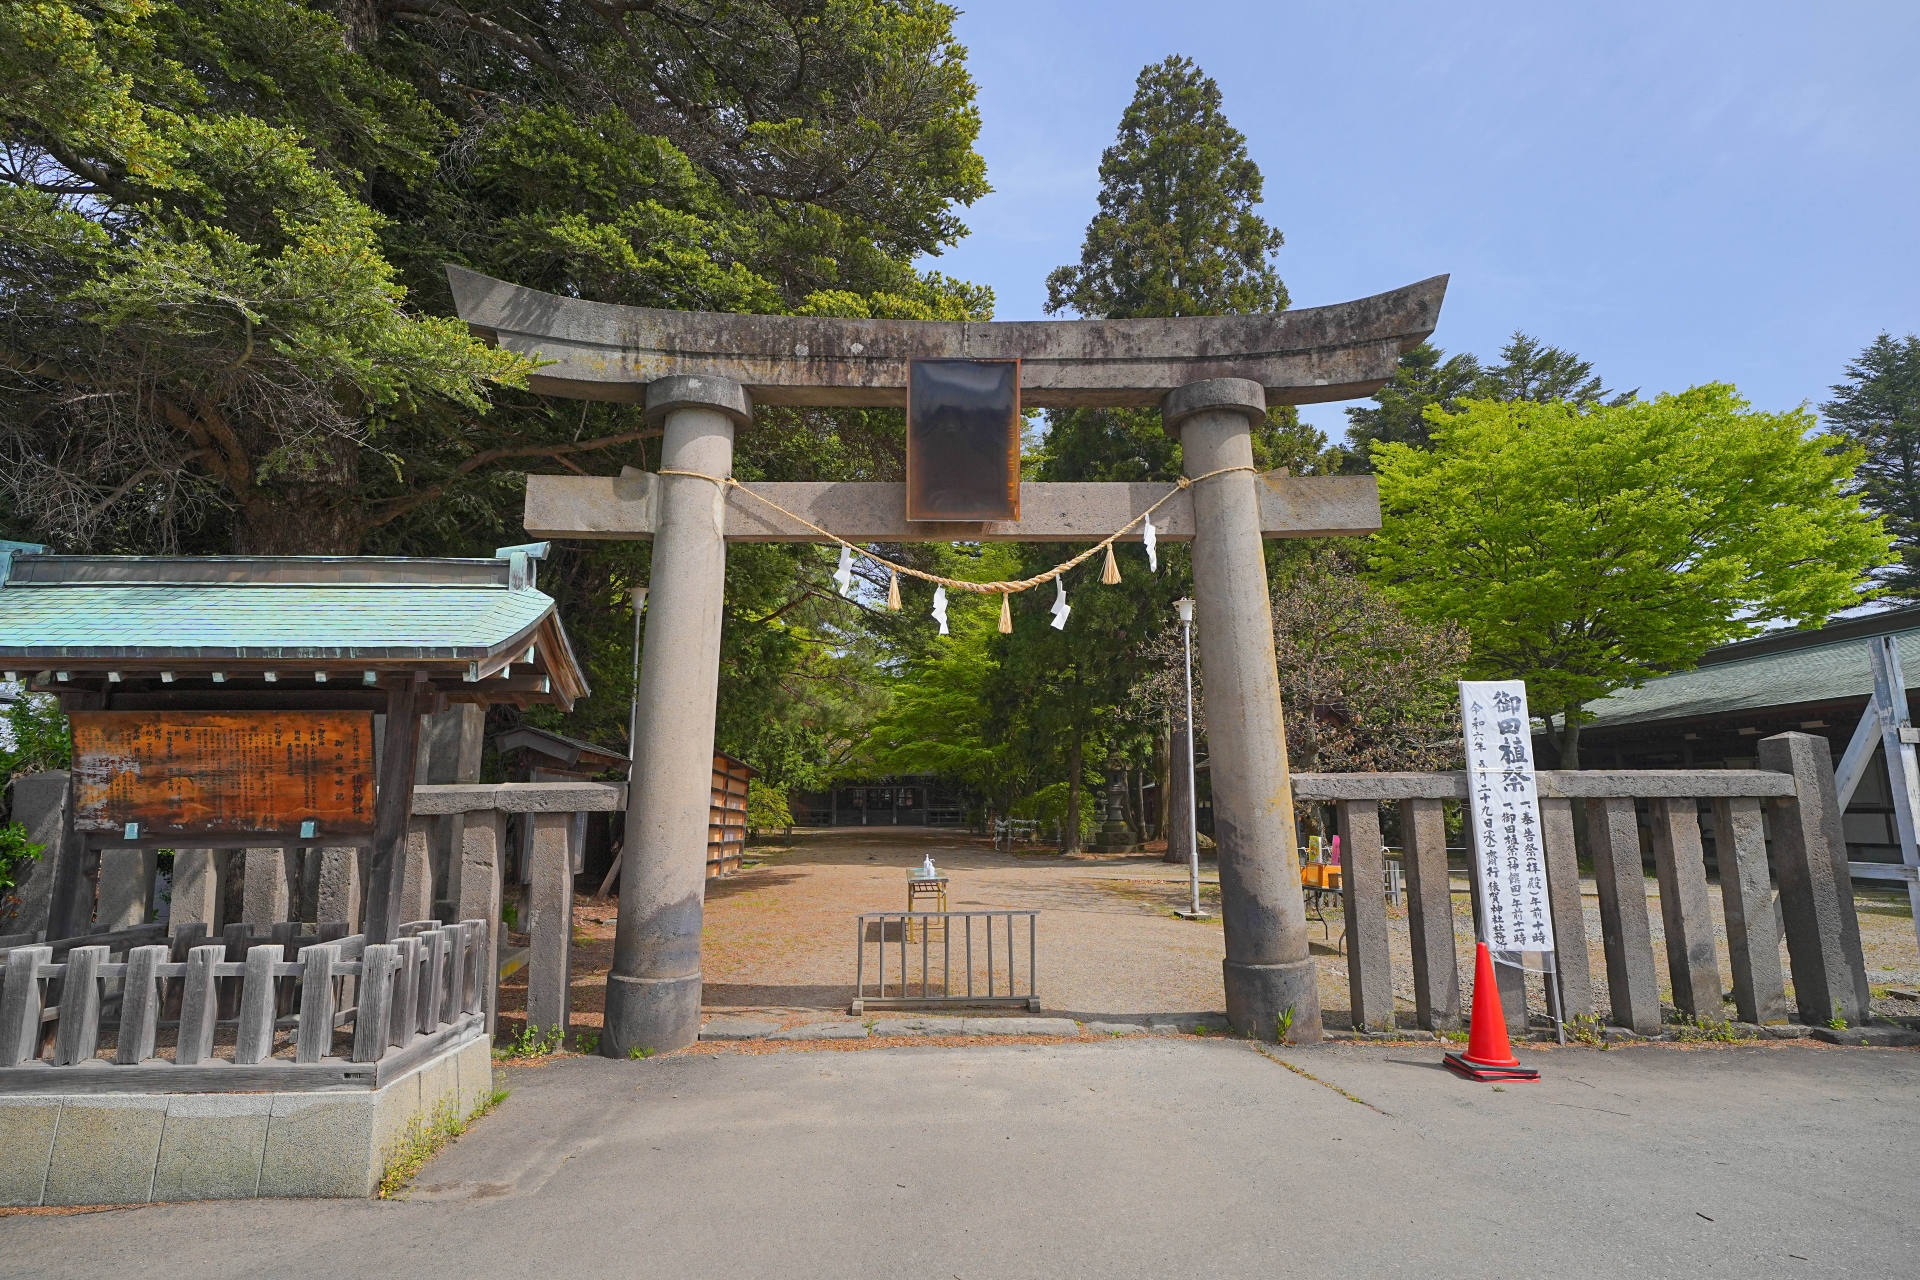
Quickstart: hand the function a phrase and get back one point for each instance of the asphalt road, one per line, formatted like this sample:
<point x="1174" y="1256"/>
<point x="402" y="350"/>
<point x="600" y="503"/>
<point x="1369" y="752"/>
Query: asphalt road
<point x="1119" y="1159"/>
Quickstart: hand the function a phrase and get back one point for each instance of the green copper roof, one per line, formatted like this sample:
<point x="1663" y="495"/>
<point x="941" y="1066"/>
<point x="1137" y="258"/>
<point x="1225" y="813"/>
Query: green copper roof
<point x="347" y="622"/>
<point x="483" y="615"/>
<point x="1784" y="670"/>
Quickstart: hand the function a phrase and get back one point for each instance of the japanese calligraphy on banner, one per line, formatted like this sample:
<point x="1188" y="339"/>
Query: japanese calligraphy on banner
<point x="1510" y="864"/>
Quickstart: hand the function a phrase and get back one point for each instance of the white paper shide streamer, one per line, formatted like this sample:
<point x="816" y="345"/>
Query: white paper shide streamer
<point x="1060" y="606"/>
<point x="1510" y="870"/>
<point x="1151" y="536"/>
<point x="940" y="608"/>
<point x="844" y="574"/>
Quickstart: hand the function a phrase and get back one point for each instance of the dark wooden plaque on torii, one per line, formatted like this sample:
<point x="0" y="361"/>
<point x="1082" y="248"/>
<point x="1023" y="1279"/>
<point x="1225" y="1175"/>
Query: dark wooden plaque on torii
<point x="963" y="440"/>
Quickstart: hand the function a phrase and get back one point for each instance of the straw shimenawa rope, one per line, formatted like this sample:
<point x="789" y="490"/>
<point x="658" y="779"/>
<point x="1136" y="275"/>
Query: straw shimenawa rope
<point x="1004" y="588"/>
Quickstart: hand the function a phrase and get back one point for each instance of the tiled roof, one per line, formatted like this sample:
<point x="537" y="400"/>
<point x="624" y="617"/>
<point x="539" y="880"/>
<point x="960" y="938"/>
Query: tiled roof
<point x="85" y="612"/>
<point x="1817" y="672"/>
<point x="347" y="622"/>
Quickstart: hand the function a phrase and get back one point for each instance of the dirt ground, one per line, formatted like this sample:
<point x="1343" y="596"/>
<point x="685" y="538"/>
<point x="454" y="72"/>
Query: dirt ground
<point x="779" y="936"/>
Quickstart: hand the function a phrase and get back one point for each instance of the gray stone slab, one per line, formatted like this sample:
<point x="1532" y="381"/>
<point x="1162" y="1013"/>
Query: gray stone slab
<point x="1186" y="1023"/>
<point x="1022" y="1027"/>
<point x="106" y="1150"/>
<point x="1874" y="1037"/>
<point x="212" y="1147"/>
<point x="1364" y="907"/>
<point x="27" y="1127"/>
<point x="737" y="1029"/>
<point x="475" y="1065"/>
<point x="1809" y="856"/>
<point x="1786" y="1031"/>
<point x="321" y="1144"/>
<point x="440" y="1084"/>
<point x="520" y="797"/>
<point x="601" y="351"/>
<point x="1117" y="1029"/>
<point x="823" y="1031"/>
<point x="920" y="1027"/>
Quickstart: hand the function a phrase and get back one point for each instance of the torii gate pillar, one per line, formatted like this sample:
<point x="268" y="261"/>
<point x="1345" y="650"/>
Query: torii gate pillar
<point x="653" y="992"/>
<point x="1269" y="972"/>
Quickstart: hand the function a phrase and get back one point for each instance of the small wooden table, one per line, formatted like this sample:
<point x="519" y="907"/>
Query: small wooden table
<point x="930" y="892"/>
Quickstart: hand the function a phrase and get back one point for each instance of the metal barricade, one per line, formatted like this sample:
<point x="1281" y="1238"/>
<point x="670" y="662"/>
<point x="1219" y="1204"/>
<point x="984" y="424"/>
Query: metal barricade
<point x="998" y="948"/>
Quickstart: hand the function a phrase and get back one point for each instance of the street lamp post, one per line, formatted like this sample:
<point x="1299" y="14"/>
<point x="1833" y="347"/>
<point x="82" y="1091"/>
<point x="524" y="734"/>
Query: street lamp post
<point x="1185" y="606"/>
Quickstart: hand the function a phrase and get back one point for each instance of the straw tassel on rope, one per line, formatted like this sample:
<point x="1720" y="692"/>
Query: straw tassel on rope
<point x="1111" y="574"/>
<point x="893" y="590"/>
<point x="1006" y="614"/>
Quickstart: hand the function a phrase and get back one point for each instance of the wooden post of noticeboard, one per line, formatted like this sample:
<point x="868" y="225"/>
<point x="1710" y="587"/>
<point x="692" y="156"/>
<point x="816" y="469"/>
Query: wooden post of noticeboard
<point x="393" y="804"/>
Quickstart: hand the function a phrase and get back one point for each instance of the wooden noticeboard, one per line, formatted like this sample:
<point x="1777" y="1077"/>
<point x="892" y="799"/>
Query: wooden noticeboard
<point x="214" y="774"/>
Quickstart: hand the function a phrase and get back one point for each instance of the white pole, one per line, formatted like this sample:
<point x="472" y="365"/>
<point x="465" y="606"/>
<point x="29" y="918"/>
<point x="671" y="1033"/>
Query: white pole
<point x="1193" y="804"/>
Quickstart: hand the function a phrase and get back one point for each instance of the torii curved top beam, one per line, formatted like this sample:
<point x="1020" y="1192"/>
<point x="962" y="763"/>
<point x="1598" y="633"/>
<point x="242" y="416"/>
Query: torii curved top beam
<point x="606" y="352"/>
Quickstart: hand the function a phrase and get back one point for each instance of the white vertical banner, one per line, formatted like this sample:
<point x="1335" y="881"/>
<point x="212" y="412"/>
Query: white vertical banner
<point x="1510" y="865"/>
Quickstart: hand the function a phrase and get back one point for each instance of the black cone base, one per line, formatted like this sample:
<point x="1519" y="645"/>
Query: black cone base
<point x="1485" y="1074"/>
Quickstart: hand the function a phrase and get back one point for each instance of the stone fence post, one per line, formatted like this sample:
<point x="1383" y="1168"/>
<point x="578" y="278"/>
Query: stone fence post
<point x="1816" y="886"/>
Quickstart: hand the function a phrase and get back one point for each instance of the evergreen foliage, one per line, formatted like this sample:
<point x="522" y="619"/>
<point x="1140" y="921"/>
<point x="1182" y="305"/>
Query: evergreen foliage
<point x="1176" y="233"/>
<point x="1878" y="412"/>
<point x="223" y="225"/>
<point x="1426" y="375"/>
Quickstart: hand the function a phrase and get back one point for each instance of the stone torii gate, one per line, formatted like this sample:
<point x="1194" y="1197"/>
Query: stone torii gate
<point x="700" y="374"/>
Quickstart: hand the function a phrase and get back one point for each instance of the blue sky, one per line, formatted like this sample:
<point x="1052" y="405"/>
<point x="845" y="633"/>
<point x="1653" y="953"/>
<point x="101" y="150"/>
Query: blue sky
<point x="1681" y="193"/>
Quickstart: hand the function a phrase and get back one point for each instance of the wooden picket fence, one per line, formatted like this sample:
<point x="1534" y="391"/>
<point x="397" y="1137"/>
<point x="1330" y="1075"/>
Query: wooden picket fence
<point x="404" y="1002"/>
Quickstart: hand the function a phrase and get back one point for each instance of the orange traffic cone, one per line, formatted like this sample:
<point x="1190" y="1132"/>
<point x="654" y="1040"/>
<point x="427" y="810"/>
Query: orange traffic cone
<point x="1489" y="1056"/>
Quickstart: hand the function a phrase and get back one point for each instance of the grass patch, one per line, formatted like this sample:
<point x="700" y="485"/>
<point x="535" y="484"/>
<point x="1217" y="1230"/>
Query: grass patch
<point x="1586" y="1029"/>
<point x="423" y="1138"/>
<point x="530" y="1043"/>
<point x="1721" y="1031"/>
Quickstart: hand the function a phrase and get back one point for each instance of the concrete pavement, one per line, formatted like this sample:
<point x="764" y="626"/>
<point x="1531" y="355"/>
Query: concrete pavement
<point x="1135" y="1157"/>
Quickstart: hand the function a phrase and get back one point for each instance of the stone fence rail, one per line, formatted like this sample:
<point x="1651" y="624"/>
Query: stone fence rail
<point x="456" y="866"/>
<point x="402" y="1003"/>
<point x="1793" y="791"/>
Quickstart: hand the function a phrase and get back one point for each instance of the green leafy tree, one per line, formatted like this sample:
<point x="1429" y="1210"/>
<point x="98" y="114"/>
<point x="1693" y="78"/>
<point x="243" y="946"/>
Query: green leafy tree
<point x="33" y="736"/>
<point x="1176" y="234"/>
<point x="1589" y="549"/>
<point x="223" y="229"/>
<point x="1877" y="410"/>
<point x="942" y="717"/>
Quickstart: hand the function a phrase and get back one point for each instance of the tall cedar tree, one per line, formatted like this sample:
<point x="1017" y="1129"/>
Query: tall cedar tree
<point x="1878" y="411"/>
<point x="1177" y="234"/>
